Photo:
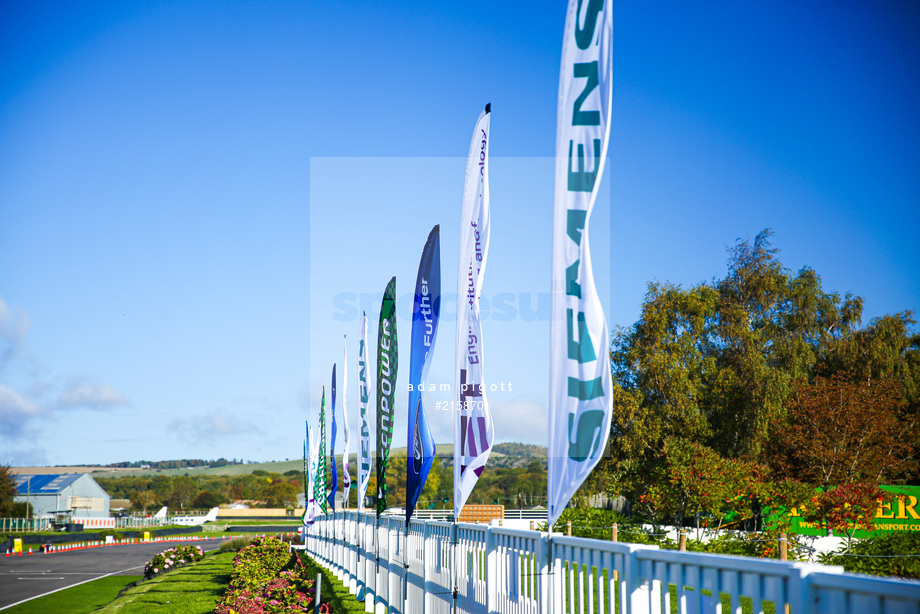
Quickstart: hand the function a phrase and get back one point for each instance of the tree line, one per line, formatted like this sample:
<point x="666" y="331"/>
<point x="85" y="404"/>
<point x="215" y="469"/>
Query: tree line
<point x="175" y="464"/>
<point x="517" y="481"/>
<point x="753" y="390"/>
<point x="184" y="492"/>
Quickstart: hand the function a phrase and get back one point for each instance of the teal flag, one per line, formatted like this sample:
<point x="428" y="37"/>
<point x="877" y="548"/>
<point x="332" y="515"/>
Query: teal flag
<point x="320" y="493"/>
<point x="387" y="363"/>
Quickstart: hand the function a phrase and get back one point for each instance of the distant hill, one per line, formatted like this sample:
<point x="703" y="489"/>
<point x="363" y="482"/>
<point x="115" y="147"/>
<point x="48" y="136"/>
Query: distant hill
<point x="519" y="454"/>
<point x="503" y="455"/>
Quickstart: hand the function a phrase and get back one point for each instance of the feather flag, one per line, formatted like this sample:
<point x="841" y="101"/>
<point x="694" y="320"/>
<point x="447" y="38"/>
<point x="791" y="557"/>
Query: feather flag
<point x="425" y="312"/>
<point x="387" y="364"/>
<point x="364" y="442"/>
<point x="314" y="468"/>
<point x="346" y="478"/>
<point x="320" y="480"/>
<point x="473" y="431"/>
<point x="580" y="380"/>
<point x="305" y="518"/>
<point x="335" y="474"/>
<point x="309" y="477"/>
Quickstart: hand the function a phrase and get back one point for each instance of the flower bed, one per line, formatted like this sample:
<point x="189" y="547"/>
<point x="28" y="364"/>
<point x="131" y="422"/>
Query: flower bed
<point x="171" y="558"/>
<point x="267" y="579"/>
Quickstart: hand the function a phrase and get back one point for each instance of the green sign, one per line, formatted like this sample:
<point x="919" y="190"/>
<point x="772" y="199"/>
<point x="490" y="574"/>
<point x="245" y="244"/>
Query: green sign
<point x="900" y="511"/>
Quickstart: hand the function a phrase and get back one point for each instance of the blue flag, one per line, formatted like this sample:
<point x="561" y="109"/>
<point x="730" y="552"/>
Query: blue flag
<point x="335" y="473"/>
<point x="426" y="308"/>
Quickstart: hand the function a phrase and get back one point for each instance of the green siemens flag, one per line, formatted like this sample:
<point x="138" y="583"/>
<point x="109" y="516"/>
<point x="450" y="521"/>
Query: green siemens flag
<point x="321" y="466"/>
<point x="580" y="392"/>
<point x="387" y="362"/>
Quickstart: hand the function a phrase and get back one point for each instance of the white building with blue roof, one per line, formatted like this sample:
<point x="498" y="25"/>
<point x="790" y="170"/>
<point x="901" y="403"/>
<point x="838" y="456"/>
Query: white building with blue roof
<point x="74" y="494"/>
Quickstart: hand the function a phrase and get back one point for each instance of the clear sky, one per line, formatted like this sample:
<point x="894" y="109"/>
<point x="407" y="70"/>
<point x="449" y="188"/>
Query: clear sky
<point x="197" y="199"/>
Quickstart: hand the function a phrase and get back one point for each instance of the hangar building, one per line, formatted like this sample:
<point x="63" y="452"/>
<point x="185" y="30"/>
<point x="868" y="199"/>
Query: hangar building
<point x="76" y="494"/>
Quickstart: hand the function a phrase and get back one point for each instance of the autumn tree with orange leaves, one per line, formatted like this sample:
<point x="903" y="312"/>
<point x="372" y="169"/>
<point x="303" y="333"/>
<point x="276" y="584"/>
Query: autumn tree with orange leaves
<point x="839" y="431"/>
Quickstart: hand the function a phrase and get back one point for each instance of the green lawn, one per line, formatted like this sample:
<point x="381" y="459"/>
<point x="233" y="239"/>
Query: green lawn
<point x="333" y="591"/>
<point x="77" y="600"/>
<point x="193" y="589"/>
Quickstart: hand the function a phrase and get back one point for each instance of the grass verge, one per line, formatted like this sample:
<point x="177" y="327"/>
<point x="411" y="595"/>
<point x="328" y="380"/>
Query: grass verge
<point x="80" y="599"/>
<point x="192" y="589"/>
<point x="333" y="591"/>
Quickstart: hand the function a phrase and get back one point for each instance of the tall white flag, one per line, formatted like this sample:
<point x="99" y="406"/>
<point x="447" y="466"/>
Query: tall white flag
<point x="315" y="509"/>
<point x="310" y="451"/>
<point x="473" y="432"/>
<point x="364" y="441"/>
<point x="346" y="477"/>
<point x="580" y="393"/>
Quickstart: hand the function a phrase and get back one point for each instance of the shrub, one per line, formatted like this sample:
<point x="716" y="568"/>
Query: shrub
<point x="894" y="554"/>
<point x="595" y="523"/>
<point x="259" y="563"/>
<point x="235" y="545"/>
<point x="171" y="558"/>
<point x="106" y="532"/>
<point x="259" y="583"/>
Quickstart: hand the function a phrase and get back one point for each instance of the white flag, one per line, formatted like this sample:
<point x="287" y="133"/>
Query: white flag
<point x="364" y="442"/>
<point x="346" y="478"/>
<point x="310" y="504"/>
<point x="473" y="432"/>
<point x="580" y="394"/>
<point x="313" y="508"/>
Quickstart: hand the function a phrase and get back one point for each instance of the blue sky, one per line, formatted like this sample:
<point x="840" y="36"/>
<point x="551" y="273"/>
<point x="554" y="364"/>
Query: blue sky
<point x="193" y="195"/>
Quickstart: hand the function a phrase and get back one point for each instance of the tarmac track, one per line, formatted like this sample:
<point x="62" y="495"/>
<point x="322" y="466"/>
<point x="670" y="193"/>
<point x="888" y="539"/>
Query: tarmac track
<point x="27" y="577"/>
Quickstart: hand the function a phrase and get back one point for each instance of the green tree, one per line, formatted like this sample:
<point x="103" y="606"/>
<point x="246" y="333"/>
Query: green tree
<point x="162" y="486"/>
<point x="184" y="490"/>
<point x="207" y="499"/>
<point x="845" y="508"/>
<point x="692" y="482"/>
<point x="281" y="494"/>
<point x="8" y="490"/>
<point x="143" y="499"/>
<point x="718" y="362"/>
<point x="431" y="494"/>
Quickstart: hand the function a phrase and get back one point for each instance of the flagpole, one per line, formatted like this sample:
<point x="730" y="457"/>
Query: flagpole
<point x="406" y="566"/>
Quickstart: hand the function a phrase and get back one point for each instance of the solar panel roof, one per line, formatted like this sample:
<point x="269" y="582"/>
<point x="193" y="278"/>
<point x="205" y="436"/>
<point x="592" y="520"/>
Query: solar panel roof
<point x="44" y="484"/>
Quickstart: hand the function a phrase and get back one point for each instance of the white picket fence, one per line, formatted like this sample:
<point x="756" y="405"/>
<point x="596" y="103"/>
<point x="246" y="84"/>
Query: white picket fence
<point x="442" y="567"/>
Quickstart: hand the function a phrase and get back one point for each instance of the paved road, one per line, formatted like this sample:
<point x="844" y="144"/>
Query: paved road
<point x="26" y="577"/>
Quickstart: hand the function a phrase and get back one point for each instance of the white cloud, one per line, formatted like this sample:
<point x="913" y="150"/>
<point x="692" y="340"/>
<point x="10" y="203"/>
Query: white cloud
<point x="92" y="396"/>
<point x="13" y="329"/>
<point x="25" y="457"/>
<point x="15" y="412"/>
<point x="212" y="426"/>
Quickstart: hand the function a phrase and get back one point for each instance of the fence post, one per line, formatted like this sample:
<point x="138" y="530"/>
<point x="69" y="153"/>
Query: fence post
<point x="545" y="578"/>
<point x="614" y="537"/>
<point x="556" y="579"/>
<point x="568" y="528"/>
<point x="394" y="589"/>
<point x="491" y="571"/>
<point x="353" y="554"/>
<point x="683" y="540"/>
<point x="783" y="547"/>
<point x="370" y="563"/>
<point x="429" y="549"/>
<point x="360" y="576"/>
<point x="319" y="592"/>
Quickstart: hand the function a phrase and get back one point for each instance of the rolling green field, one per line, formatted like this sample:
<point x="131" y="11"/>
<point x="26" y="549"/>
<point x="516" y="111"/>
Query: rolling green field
<point x="296" y="464"/>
